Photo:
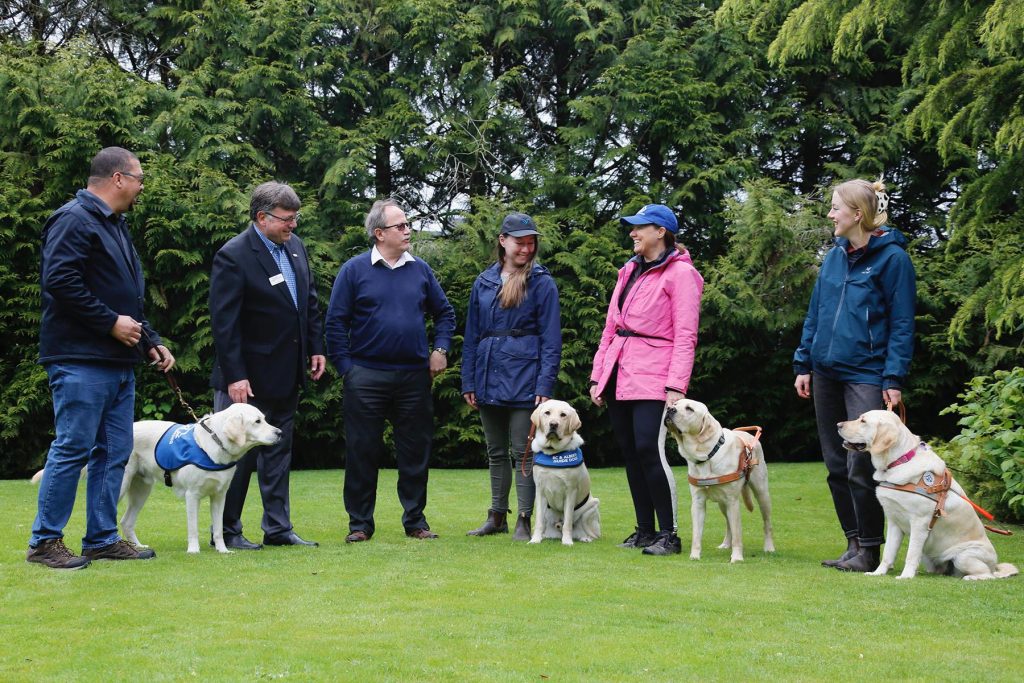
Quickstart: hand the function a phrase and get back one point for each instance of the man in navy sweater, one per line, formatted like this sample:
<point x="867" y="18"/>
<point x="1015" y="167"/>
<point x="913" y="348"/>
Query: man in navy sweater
<point x="377" y="340"/>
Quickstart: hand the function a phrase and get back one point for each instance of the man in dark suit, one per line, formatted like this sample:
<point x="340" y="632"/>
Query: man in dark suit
<point x="266" y="324"/>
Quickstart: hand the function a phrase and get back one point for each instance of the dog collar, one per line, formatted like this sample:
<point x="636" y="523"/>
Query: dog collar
<point x="721" y="440"/>
<point x="906" y="457"/>
<point x="564" y="459"/>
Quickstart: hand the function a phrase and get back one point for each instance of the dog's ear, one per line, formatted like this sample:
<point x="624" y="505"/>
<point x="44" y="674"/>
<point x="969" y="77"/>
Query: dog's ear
<point x="234" y="428"/>
<point x="535" y="417"/>
<point x="708" y="427"/>
<point x="573" y="421"/>
<point x="886" y="436"/>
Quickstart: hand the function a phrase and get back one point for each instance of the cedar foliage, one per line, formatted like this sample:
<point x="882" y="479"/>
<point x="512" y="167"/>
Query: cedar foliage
<point x="740" y="114"/>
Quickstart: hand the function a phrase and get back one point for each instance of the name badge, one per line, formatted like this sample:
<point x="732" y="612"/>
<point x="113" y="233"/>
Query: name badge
<point x="276" y="279"/>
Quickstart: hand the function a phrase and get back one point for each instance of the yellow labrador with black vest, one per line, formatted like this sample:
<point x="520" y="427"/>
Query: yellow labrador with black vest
<point x="923" y="501"/>
<point x="564" y="507"/>
<point x="196" y="460"/>
<point x="723" y="465"/>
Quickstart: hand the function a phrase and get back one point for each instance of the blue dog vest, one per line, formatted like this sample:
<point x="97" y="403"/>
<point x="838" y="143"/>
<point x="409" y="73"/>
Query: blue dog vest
<point x="563" y="459"/>
<point x="178" y="447"/>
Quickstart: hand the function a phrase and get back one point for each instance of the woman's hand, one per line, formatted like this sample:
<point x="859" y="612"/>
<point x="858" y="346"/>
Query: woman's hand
<point x="470" y="397"/>
<point x="803" y="386"/>
<point x="596" y="397"/>
<point x="672" y="397"/>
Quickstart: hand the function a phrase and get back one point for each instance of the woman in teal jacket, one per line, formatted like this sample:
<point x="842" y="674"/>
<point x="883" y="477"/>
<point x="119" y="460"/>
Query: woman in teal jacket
<point x="857" y="342"/>
<point x="510" y="357"/>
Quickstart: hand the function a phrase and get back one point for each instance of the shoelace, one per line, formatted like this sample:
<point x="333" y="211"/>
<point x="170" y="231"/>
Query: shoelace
<point x="61" y="549"/>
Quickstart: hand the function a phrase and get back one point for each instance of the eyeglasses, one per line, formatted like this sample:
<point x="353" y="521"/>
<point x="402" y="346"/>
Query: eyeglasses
<point x="401" y="226"/>
<point x="138" y="177"/>
<point x="296" y="218"/>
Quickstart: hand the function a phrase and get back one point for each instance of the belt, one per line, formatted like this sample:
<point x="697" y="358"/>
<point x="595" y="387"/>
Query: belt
<point x="513" y="332"/>
<point x="631" y="333"/>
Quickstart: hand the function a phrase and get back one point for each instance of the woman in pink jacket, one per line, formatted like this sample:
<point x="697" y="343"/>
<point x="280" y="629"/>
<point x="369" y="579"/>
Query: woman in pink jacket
<point x="644" y="362"/>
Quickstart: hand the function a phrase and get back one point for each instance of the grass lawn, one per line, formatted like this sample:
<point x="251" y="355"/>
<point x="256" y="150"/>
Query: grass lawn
<point x="486" y="609"/>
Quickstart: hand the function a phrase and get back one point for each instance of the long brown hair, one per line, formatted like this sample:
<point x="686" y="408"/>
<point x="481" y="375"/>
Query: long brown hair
<point x="513" y="289"/>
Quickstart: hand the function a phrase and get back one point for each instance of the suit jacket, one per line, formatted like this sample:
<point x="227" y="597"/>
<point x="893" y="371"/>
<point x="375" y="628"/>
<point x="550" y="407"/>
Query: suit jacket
<point x="258" y="332"/>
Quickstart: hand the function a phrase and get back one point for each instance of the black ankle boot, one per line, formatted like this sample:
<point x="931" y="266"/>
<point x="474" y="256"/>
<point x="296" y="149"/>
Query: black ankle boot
<point x="852" y="548"/>
<point x="522" y="530"/>
<point x="867" y="560"/>
<point x="494" y="524"/>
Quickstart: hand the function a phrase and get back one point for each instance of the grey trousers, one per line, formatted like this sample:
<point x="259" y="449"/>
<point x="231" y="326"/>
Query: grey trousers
<point x="849" y="472"/>
<point x="506" y="430"/>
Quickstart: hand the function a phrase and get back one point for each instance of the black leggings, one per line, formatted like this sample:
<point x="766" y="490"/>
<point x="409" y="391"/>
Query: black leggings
<point x="640" y="433"/>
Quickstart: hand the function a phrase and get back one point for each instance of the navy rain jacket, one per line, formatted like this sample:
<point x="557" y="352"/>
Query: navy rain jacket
<point x="90" y="274"/>
<point x="510" y="370"/>
<point x="859" y="327"/>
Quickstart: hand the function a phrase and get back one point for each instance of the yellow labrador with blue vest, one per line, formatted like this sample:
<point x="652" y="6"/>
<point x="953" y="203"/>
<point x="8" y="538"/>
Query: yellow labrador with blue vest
<point x="196" y="460"/>
<point x="723" y="465"/>
<point x="923" y="501"/>
<point x="564" y="507"/>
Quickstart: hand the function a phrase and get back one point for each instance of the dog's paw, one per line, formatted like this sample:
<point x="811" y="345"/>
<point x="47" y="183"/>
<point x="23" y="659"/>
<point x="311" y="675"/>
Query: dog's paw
<point x="193" y="551"/>
<point x="878" y="572"/>
<point x="225" y="550"/>
<point x="978" y="577"/>
<point x="724" y="545"/>
<point x="907" y="575"/>
<point x="736" y="559"/>
<point x="534" y="540"/>
<point x="694" y="556"/>
<point x="586" y="539"/>
<point x="566" y="541"/>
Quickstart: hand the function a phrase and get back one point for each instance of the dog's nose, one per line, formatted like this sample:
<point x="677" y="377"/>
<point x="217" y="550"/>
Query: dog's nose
<point x="670" y="412"/>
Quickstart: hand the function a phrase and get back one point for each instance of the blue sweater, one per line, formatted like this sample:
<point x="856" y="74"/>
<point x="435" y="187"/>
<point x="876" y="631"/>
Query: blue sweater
<point x="376" y="318"/>
<point x="860" y="322"/>
<point x="508" y="370"/>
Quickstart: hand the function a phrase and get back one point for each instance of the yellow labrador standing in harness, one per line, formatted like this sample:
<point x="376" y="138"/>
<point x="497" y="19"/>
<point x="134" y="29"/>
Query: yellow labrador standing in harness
<point x="723" y="465"/>
<point x="923" y="501"/>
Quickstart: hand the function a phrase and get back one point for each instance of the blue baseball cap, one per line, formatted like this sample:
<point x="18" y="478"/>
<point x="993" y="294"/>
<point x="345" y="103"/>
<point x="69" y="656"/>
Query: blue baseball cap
<point x="658" y="214"/>
<point x="518" y="225"/>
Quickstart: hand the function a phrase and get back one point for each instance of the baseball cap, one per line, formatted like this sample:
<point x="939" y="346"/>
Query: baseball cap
<point x="658" y="214"/>
<point x="518" y="225"/>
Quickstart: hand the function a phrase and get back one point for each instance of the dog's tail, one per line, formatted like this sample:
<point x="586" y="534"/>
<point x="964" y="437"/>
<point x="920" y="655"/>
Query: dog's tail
<point x="1005" y="570"/>
<point x="37" y="477"/>
<point x="747" y="500"/>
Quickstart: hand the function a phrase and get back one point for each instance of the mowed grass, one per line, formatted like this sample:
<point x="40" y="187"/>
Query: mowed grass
<point x="488" y="609"/>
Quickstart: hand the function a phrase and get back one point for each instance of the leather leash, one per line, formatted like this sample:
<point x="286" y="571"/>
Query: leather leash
<point x="526" y="452"/>
<point x="899" y="408"/>
<point x="172" y="380"/>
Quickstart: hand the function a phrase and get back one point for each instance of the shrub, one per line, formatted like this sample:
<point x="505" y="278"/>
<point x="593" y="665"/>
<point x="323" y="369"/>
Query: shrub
<point x="988" y="454"/>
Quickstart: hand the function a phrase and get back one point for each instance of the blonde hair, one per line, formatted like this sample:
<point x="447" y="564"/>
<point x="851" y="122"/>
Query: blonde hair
<point x="867" y="197"/>
<point x="513" y="289"/>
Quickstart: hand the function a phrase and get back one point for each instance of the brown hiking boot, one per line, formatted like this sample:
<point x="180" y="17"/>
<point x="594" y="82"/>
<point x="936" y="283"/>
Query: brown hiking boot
<point x="119" y="550"/>
<point x="54" y="554"/>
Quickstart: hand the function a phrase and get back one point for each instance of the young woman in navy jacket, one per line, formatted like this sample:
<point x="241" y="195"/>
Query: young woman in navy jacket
<point x="510" y="357"/>
<point x="857" y="342"/>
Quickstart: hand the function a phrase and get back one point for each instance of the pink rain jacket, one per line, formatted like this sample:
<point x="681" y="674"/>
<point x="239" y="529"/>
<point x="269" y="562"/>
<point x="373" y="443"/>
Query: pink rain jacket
<point x="664" y="306"/>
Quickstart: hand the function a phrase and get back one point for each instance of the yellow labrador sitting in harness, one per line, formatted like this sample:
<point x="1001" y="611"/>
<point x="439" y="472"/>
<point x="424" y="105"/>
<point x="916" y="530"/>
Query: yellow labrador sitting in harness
<point x="723" y="465"/>
<point x="922" y="500"/>
<point x="564" y="507"/>
<point x="196" y="460"/>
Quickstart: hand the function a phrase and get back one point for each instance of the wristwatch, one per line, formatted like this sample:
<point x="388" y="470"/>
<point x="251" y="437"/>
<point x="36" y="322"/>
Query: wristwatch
<point x="441" y="350"/>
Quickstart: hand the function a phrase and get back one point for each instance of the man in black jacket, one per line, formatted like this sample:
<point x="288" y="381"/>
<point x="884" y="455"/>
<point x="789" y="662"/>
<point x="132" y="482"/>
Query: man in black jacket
<point x="266" y="326"/>
<point x="92" y="334"/>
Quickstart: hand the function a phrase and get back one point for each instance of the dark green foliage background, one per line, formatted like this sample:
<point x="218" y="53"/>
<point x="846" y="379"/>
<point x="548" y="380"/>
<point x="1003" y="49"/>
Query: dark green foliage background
<point x="740" y="114"/>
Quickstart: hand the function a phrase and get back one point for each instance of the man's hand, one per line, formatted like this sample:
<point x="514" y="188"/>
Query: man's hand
<point x="438" y="363"/>
<point x="162" y="358"/>
<point x="803" y="386"/>
<point x="317" y="365"/>
<point x="240" y="391"/>
<point x="127" y="330"/>
<point x="470" y="397"/>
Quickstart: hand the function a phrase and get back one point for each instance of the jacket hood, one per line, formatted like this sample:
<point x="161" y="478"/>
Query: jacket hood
<point x="889" y="236"/>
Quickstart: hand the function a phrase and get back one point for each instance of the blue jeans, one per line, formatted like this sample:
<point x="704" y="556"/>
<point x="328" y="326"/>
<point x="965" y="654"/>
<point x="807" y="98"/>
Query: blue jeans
<point x="93" y="408"/>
